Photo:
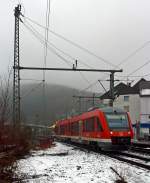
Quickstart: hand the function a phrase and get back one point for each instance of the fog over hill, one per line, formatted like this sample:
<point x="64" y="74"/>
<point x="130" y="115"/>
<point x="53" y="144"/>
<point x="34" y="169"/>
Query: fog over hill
<point x="57" y="103"/>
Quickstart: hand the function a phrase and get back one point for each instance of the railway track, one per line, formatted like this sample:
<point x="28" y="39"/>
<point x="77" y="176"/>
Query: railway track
<point x="142" y="145"/>
<point x="140" y="150"/>
<point x="131" y="155"/>
<point x="129" y="158"/>
<point x="130" y="161"/>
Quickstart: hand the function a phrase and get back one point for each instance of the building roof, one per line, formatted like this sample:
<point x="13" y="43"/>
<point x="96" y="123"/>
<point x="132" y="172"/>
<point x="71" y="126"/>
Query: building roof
<point x="137" y="85"/>
<point x="123" y="89"/>
<point x="145" y="85"/>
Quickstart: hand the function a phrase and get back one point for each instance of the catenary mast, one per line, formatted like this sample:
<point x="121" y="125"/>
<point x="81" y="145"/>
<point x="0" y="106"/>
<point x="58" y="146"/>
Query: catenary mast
<point x="16" y="75"/>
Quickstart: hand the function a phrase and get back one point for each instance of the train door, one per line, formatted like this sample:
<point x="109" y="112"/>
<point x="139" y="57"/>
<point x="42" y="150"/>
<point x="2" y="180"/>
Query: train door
<point x="99" y="130"/>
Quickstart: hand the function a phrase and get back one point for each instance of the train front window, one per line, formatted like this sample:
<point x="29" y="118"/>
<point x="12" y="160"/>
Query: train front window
<point x="117" y="121"/>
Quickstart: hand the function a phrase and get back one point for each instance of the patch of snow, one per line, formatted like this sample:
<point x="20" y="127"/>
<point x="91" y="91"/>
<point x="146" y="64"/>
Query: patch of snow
<point x="76" y="167"/>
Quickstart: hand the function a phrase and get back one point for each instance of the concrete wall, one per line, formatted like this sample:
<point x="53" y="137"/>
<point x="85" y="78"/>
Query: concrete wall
<point x="145" y="109"/>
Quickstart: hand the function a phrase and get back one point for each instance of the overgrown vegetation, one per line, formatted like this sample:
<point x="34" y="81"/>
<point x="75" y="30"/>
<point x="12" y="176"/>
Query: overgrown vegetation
<point x="5" y="98"/>
<point x="15" y="143"/>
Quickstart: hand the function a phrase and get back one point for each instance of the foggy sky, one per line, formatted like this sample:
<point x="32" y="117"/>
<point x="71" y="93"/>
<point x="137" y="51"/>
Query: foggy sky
<point x="112" y="29"/>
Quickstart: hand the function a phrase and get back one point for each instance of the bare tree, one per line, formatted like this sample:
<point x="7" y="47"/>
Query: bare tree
<point x="5" y="100"/>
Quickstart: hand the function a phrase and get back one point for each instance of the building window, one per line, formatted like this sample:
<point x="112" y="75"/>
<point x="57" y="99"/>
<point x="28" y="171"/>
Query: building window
<point x="126" y="98"/>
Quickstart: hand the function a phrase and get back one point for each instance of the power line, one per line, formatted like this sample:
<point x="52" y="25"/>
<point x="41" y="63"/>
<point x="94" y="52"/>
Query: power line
<point x="85" y="79"/>
<point x="134" y="53"/>
<point x="139" y="68"/>
<point x="42" y="42"/>
<point x="46" y="35"/>
<point x="58" y="35"/>
<point x="73" y="43"/>
<point x="122" y="62"/>
<point x="40" y="38"/>
<point x="45" y="57"/>
<point x="32" y="89"/>
<point x="66" y="54"/>
<point x="140" y="76"/>
<point x="91" y="85"/>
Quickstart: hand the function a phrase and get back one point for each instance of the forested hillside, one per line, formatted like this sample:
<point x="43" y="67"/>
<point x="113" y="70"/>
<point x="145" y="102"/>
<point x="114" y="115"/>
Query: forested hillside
<point x="58" y="102"/>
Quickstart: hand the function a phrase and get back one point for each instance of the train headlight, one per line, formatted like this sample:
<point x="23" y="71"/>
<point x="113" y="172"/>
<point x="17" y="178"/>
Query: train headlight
<point x="111" y="133"/>
<point x="129" y="133"/>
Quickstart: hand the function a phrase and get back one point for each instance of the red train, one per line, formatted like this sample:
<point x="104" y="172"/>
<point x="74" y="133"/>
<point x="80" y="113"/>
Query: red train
<point x="106" y="128"/>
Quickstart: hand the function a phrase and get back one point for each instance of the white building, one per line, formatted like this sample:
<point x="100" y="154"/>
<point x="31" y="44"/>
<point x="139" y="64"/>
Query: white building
<point x="134" y="99"/>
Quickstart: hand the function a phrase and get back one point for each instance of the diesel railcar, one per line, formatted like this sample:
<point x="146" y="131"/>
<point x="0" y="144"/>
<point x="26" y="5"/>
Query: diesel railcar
<point x="102" y="127"/>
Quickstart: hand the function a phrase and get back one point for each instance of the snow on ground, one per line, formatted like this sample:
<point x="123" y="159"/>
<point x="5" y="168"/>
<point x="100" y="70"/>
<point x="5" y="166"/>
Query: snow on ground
<point x="75" y="166"/>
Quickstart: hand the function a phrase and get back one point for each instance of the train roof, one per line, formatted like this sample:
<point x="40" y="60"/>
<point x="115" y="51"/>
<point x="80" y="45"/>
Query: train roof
<point x="103" y="109"/>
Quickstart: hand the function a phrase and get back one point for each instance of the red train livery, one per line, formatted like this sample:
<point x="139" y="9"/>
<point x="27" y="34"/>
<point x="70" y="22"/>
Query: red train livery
<point x="106" y="128"/>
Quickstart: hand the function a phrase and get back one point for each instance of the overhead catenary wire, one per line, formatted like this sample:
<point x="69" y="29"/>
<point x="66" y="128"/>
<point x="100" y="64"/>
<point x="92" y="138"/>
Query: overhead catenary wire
<point x="137" y="69"/>
<point x="60" y="50"/>
<point x="32" y="89"/>
<point x="122" y="62"/>
<point x="49" y="43"/>
<point x="73" y="43"/>
<point x="145" y="44"/>
<point x="41" y="39"/>
<point x="129" y="57"/>
<point x="45" y="57"/>
<point x="143" y="65"/>
<point x="91" y="85"/>
<point x="134" y="53"/>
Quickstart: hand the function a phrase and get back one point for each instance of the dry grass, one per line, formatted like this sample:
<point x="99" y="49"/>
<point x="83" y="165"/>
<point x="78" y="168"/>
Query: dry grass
<point x="15" y="143"/>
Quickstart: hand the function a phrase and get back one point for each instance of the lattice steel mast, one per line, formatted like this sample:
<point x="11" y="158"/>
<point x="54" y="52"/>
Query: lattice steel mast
<point x="16" y="76"/>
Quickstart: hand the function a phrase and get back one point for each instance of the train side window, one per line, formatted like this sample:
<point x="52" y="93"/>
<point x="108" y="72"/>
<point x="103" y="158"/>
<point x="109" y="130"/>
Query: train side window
<point x="75" y="127"/>
<point x="89" y="125"/>
<point x="84" y="126"/>
<point x="99" y="126"/>
<point x="62" y="129"/>
<point x="69" y="129"/>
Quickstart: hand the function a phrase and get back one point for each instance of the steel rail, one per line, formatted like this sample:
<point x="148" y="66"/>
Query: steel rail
<point x="111" y="155"/>
<point x="138" y="164"/>
<point x="147" y="159"/>
<point x="140" y="150"/>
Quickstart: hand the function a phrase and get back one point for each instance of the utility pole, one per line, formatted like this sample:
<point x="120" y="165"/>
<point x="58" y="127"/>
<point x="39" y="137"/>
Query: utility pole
<point x="93" y="101"/>
<point x="112" y="96"/>
<point x="79" y="104"/>
<point x="111" y="91"/>
<point x="16" y="75"/>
